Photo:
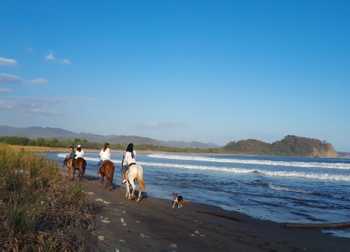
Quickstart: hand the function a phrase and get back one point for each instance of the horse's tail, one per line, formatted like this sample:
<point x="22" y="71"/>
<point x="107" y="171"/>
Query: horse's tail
<point x="140" y="179"/>
<point x="142" y="185"/>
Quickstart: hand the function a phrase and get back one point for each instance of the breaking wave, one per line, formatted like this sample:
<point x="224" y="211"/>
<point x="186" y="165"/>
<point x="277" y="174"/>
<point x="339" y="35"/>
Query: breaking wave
<point x="342" y="166"/>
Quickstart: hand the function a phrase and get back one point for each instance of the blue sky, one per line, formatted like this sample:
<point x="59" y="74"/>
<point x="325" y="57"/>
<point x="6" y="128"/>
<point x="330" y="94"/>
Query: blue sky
<point x="212" y="71"/>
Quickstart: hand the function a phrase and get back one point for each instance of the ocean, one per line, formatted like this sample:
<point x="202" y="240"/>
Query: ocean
<point x="280" y="189"/>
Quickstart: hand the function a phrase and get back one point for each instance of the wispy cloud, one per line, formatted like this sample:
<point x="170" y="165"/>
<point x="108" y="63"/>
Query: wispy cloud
<point x="66" y="61"/>
<point x="161" y="125"/>
<point x="5" y="90"/>
<point x="7" y="61"/>
<point x="9" y="78"/>
<point x="50" y="56"/>
<point x="33" y="106"/>
<point x="39" y="81"/>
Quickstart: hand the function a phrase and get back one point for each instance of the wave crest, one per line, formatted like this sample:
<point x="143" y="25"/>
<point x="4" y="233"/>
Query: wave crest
<point x="341" y="166"/>
<point x="286" y="174"/>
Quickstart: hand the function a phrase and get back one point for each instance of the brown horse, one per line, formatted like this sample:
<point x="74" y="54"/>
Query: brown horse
<point x="77" y="164"/>
<point x="106" y="172"/>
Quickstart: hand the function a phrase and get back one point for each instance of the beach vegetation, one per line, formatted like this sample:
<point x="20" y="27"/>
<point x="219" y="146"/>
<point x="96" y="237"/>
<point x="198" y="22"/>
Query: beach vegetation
<point x="39" y="210"/>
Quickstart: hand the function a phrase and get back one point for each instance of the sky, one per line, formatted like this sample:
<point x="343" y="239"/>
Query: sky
<point x="210" y="71"/>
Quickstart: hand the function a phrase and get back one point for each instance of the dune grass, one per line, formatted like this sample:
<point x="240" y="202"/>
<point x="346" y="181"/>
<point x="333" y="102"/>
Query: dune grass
<point x="39" y="209"/>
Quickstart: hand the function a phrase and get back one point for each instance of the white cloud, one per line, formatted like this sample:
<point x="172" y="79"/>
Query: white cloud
<point x="66" y="61"/>
<point x="33" y="106"/>
<point x="5" y="90"/>
<point x="39" y="81"/>
<point x="162" y="125"/>
<point x="7" y="62"/>
<point x="9" y="78"/>
<point x="50" y="56"/>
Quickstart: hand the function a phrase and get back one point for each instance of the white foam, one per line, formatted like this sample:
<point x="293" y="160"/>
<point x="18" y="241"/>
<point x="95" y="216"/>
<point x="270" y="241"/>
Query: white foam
<point x="342" y="166"/>
<point x="297" y="174"/>
<point x="285" y="189"/>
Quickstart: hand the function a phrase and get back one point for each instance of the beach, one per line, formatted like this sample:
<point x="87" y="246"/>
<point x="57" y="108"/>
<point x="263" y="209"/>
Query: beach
<point x="152" y="225"/>
<point x="279" y="189"/>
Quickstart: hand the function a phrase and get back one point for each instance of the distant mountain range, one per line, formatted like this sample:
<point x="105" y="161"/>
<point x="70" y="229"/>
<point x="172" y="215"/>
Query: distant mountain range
<point x="47" y="132"/>
<point x="288" y="146"/>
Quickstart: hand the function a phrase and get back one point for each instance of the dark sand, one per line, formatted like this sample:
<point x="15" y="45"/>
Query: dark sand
<point x="153" y="225"/>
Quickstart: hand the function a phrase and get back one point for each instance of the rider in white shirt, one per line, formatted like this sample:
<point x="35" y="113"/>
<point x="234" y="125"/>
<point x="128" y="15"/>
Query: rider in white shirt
<point x="105" y="153"/>
<point x="79" y="153"/>
<point x="129" y="158"/>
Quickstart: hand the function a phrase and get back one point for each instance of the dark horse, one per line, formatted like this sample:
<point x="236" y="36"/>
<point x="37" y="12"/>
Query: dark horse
<point x="73" y="165"/>
<point x="106" y="172"/>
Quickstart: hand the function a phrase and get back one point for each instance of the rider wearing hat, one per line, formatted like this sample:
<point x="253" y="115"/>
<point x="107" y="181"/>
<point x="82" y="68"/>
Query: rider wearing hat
<point x="79" y="153"/>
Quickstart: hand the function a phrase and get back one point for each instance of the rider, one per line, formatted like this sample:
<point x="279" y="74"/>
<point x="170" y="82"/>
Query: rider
<point x="70" y="155"/>
<point x="129" y="159"/>
<point x="105" y="154"/>
<point x="79" y="153"/>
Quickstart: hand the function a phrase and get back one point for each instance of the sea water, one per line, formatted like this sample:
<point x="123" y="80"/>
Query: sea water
<point x="281" y="189"/>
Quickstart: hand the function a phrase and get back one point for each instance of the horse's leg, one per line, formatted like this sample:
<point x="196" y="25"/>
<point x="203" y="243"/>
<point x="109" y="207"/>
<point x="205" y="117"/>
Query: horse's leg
<point x="80" y="173"/>
<point x="106" y="180"/>
<point x="139" y="197"/>
<point x="71" y="172"/>
<point x="111" y="184"/>
<point x="127" y="193"/>
<point x="141" y="189"/>
<point x="101" y="175"/>
<point x="133" y="187"/>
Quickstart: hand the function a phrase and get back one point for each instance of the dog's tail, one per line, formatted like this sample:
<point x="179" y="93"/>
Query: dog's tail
<point x="185" y="202"/>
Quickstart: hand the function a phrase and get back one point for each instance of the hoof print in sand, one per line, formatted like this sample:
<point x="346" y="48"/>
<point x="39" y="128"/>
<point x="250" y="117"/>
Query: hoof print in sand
<point x="143" y="236"/>
<point x="105" y="220"/>
<point x="197" y="233"/>
<point x="102" y="201"/>
<point x="173" y="246"/>
<point x="123" y="222"/>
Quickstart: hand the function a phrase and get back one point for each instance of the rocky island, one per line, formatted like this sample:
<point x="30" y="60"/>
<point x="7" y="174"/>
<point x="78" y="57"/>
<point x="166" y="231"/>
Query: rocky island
<point x="289" y="146"/>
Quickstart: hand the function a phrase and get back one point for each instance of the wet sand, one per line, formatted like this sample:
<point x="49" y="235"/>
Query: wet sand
<point x="152" y="225"/>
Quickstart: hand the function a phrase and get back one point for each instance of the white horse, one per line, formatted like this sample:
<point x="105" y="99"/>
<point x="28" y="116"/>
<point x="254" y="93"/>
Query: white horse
<point x="134" y="173"/>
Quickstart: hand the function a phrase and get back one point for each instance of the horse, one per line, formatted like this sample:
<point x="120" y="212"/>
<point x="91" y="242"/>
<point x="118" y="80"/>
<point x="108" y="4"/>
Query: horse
<point x="134" y="173"/>
<point x="77" y="164"/>
<point x="106" y="172"/>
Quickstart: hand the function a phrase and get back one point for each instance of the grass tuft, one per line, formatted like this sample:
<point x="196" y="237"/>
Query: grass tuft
<point x="39" y="210"/>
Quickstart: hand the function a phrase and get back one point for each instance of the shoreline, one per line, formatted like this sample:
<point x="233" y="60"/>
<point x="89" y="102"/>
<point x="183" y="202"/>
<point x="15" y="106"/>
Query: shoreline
<point x="152" y="225"/>
<point x="36" y="149"/>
